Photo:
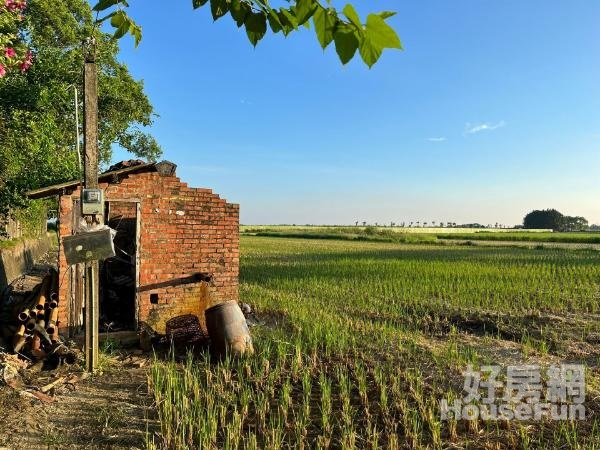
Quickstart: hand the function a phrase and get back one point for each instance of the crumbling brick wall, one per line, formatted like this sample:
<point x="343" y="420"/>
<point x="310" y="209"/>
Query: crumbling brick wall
<point x="184" y="232"/>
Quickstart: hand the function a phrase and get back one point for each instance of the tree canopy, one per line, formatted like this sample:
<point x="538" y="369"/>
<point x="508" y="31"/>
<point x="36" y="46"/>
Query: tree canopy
<point x="37" y="115"/>
<point x="345" y="28"/>
<point x="554" y="220"/>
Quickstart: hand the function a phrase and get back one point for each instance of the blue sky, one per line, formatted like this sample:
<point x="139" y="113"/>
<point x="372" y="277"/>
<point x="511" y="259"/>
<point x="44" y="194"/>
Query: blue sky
<point x="492" y="109"/>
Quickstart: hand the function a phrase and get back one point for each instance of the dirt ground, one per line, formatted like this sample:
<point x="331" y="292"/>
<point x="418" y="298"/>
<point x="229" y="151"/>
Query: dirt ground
<point x="111" y="410"/>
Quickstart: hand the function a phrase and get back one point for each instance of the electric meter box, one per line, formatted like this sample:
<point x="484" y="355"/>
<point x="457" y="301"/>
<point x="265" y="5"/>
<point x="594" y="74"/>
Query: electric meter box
<point x="92" y="202"/>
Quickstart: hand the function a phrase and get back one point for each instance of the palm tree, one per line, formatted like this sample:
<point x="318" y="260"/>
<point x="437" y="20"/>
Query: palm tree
<point x="364" y="223"/>
<point x="356" y="223"/>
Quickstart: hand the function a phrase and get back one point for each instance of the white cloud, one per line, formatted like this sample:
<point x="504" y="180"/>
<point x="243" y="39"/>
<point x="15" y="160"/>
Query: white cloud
<point x="436" y="139"/>
<point x="472" y="129"/>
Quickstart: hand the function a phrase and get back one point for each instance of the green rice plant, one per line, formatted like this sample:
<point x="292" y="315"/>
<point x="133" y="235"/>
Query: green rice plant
<point x="360" y="340"/>
<point x="250" y="442"/>
<point x="348" y="439"/>
<point x="285" y="401"/>
<point x="373" y="435"/>
<point x="344" y="393"/>
<point x="261" y="406"/>
<point x="325" y="407"/>
<point x="274" y="435"/>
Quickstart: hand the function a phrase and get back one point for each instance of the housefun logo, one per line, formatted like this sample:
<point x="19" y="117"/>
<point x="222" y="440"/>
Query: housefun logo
<point x="564" y="394"/>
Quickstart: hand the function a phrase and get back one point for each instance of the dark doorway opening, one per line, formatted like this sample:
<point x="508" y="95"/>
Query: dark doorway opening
<point x="118" y="275"/>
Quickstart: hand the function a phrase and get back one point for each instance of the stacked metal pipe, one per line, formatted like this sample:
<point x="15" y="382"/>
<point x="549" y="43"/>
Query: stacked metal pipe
<point x="34" y="321"/>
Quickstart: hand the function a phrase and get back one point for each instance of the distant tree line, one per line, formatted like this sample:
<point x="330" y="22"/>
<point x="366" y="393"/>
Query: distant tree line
<point x="432" y="224"/>
<point x="555" y="220"/>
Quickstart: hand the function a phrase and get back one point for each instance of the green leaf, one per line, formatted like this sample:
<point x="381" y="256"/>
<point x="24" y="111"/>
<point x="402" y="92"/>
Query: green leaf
<point x="304" y="10"/>
<point x="325" y="22"/>
<point x="286" y="17"/>
<point x="105" y="18"/>
<point x="136" y="32"/>
<point x="368" y="51"/>
<point x="274" y="22"/>
<point x="105" y="4"/>
<point x="121" y="22"/>
<point x="198" y="3"/>
<point x="346" y="43"/>
<point x="117" y="19"/>
<point x="378" y="35"/>
<point x="219" y="8"/>
<point x="122" y="30"/>
<point x="239" y="10"/>
<point x="256" y="27"/>
<point x="352" y="16"/>
<point x="124" y="24"/>
<point x="386" y="14"/>
<point x="287" y="21"/>
<point x="381" y="34"/>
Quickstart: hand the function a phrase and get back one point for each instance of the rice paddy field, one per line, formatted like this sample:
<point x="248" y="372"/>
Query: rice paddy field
<point x="358" y="342"/>
<point x="404" y="234"/>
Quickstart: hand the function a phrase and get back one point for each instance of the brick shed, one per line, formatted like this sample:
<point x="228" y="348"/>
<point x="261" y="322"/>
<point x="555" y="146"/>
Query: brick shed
<point x="177" y="249"/>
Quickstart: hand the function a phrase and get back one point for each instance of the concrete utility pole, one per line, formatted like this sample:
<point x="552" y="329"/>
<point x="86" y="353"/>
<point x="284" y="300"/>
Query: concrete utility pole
<point x="77" y="135"/>
<point x="90" y="176"/>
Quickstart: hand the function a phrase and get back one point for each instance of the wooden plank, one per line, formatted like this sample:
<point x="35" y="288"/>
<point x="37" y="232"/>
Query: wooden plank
<point x="91" y="318"/>
<point x="122" y="200"/>
<point x="138" y="240"/>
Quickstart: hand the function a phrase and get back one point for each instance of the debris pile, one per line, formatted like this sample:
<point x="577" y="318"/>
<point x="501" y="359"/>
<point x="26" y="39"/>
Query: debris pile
<point x="15" y="374"/>
<point x="29" y="323"/>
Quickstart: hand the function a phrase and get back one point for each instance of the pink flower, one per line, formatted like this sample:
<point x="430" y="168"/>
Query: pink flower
<point x="15" y="5"/>
<point x="10" y="52"/>
<point x="2" y="71"/>
<point x="26" y="64"/>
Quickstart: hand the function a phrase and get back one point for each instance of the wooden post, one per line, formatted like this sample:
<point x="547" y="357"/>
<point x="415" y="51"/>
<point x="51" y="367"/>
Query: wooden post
<point x="90" y="176"/>
<point x="91" y="317"/>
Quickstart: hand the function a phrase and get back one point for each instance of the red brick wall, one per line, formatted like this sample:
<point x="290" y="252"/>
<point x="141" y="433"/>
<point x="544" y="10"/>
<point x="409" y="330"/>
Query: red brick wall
<point x="184" y="231"/>
<point x="125" y="210"/>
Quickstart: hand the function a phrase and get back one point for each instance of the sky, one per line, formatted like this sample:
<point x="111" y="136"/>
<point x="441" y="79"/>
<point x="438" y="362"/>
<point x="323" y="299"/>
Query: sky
<point x="491" y="110"/>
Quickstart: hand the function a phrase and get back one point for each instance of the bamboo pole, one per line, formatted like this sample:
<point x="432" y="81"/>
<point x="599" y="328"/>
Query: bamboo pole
<point x="44" y="293"/>
<point x="19" y="339"/>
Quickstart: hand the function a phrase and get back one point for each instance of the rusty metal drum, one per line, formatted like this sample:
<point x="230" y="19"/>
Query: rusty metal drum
<point x="228" y="329"/>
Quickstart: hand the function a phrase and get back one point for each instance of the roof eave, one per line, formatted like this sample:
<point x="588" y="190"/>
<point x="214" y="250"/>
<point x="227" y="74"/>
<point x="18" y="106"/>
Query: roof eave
<point x="57" y="189"/>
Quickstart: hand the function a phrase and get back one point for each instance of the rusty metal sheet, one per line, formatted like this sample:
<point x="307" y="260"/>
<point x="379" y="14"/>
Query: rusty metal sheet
<point x="91" y="246"/>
